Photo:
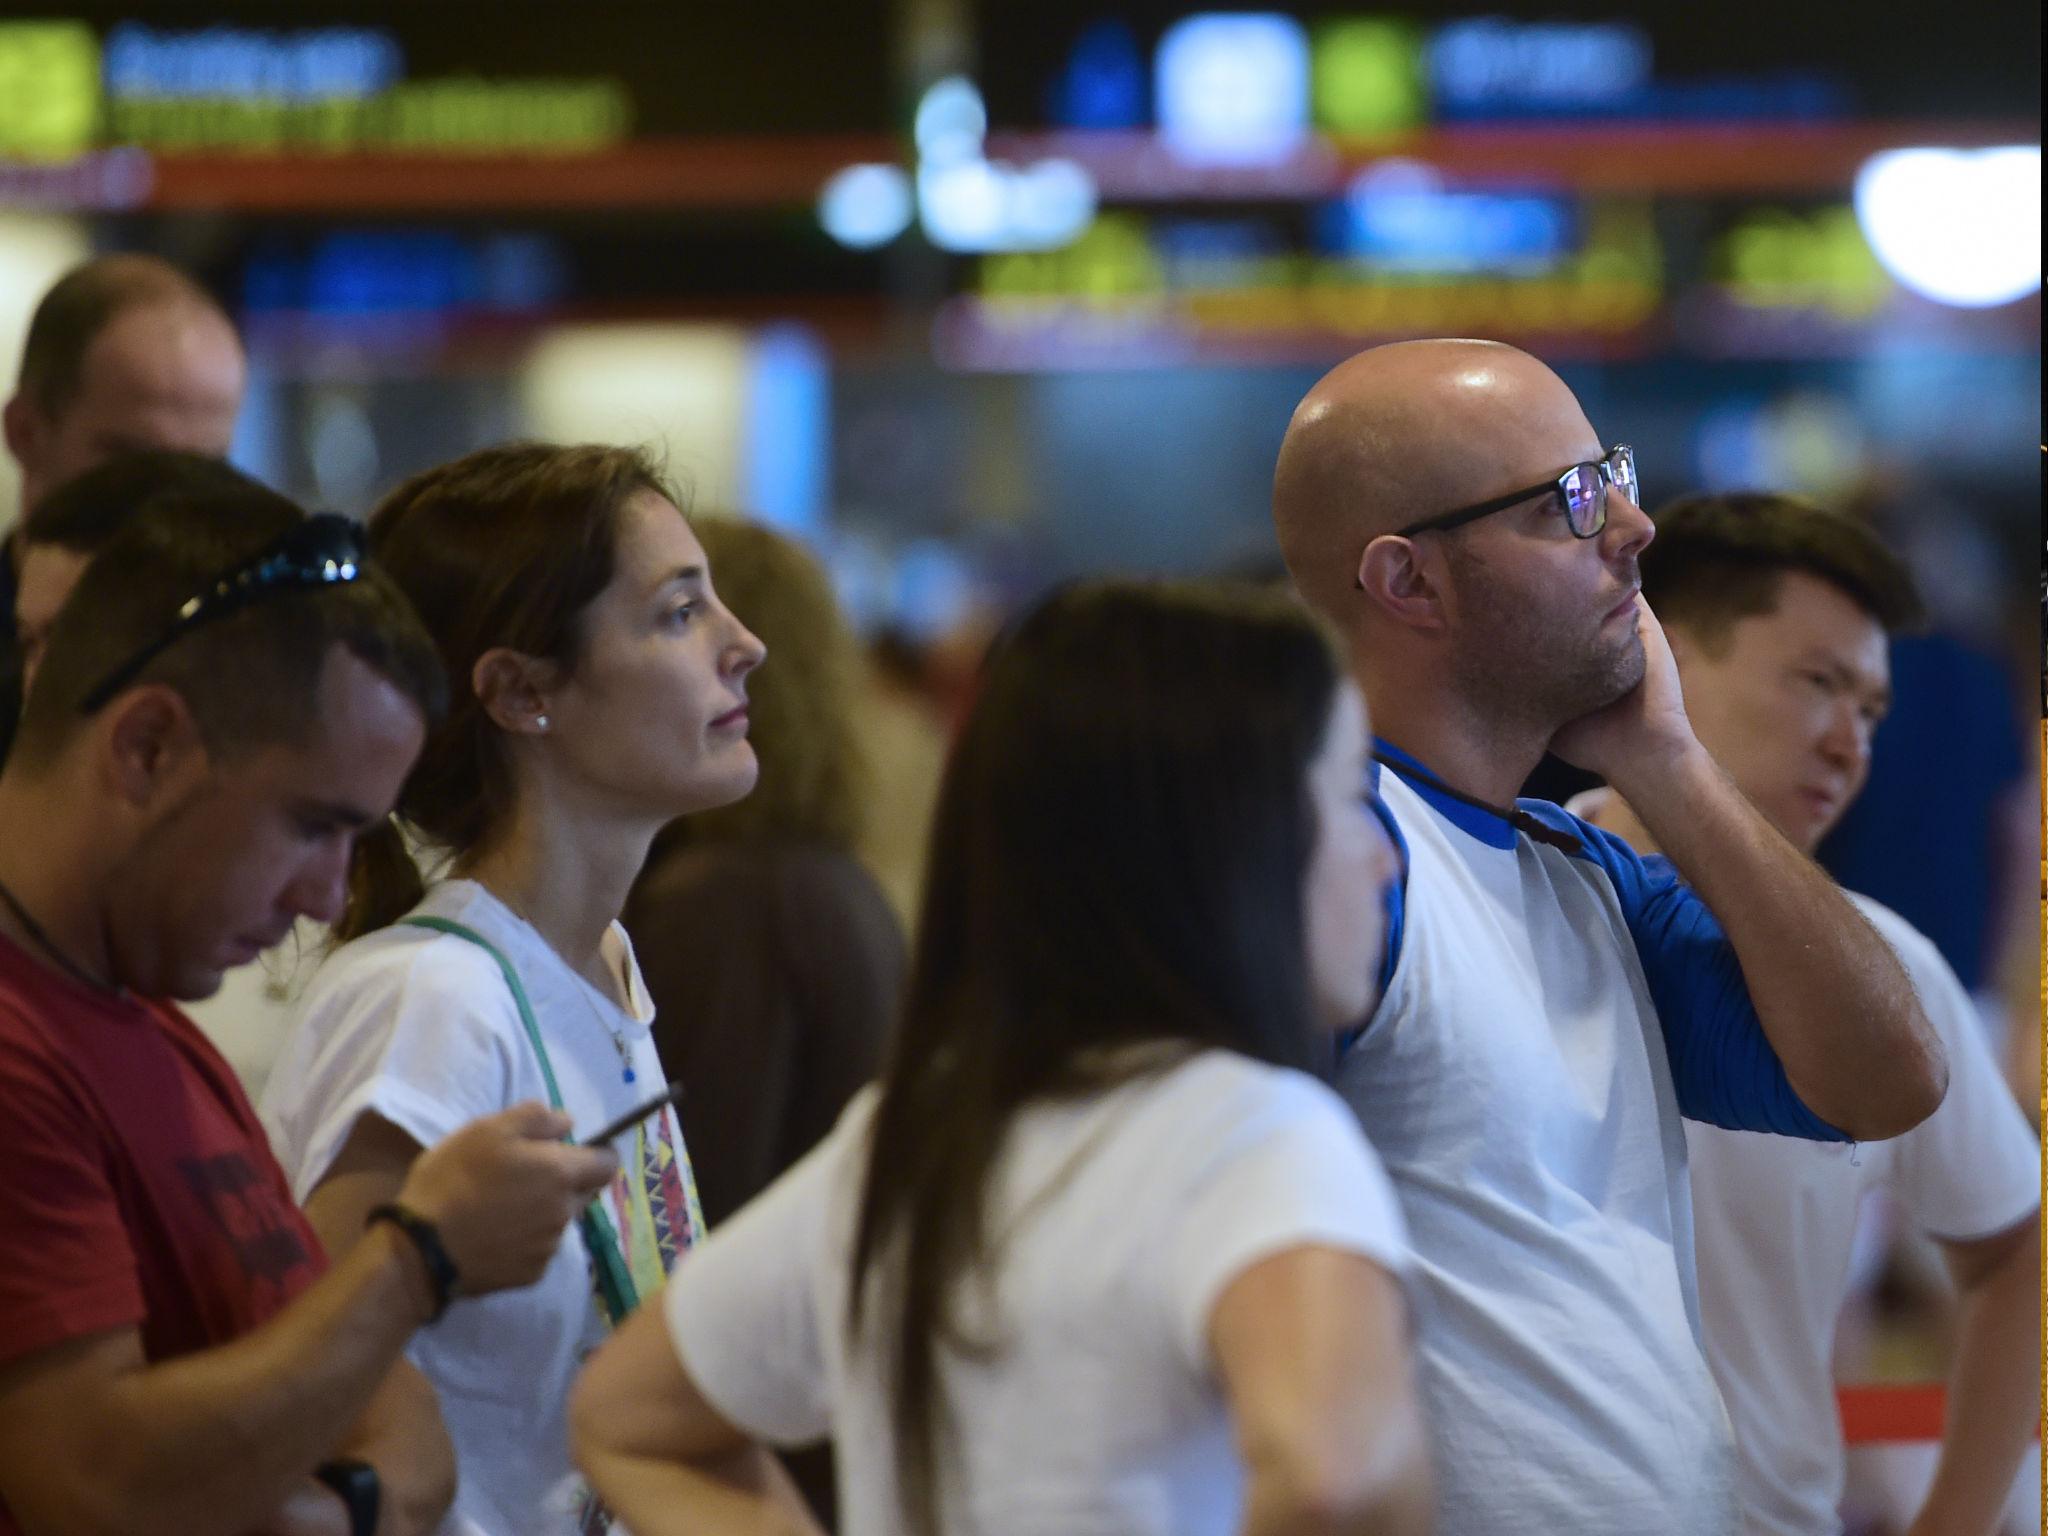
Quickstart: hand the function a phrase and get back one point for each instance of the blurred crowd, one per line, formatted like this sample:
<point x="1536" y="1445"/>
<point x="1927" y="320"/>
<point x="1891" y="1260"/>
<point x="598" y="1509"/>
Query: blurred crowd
<point x="516" y="1017"/>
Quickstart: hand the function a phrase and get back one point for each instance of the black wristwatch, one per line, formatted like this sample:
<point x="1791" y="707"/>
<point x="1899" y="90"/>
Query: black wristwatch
<point x="442" y="1275"/>
<point x="355" y="1482"/>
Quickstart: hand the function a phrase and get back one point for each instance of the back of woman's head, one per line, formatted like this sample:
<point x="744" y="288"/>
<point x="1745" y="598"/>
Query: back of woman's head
<point x="800" y="706"/>
<point x="505" y="547"/>
<point x="1119" y="856"/>
<point x="1122" y="837"/>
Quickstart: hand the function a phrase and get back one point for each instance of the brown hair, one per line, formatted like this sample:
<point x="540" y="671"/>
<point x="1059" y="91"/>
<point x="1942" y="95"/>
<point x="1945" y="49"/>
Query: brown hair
<point x="814" y="779"/>
<point x="504" y="547"/>
<point x="1118" y="859"/>
<point x="84" y="302"/>
<point x="250" y="678"/>
<point x="1718" y="559"/>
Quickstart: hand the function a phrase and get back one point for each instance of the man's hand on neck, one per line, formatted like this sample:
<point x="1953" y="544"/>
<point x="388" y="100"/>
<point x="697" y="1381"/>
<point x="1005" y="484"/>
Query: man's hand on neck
<point x="1642" y="743"/>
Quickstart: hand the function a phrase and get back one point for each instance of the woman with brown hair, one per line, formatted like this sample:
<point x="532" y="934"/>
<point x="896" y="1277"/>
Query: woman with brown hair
<point x="1099" y="1253"/>
<point x="599" y="691"/>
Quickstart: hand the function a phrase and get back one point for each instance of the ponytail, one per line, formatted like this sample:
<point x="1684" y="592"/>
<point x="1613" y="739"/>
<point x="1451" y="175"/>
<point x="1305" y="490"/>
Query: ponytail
<point x="383" y="882"/>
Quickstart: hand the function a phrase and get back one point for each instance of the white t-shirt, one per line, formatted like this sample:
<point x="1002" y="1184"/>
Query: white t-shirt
<point x="1777" y="1222"/>
<point x="1121" y="1218"/>
<point x="420" y="1028"/>
<point x="1553" y="1006"/>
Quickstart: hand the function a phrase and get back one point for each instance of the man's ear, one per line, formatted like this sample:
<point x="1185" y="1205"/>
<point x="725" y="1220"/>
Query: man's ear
<point x="25" y="428"/>
<point x="512" y="687"/>
<point x="1404" y="582"/>
<point x="152" y="744"/>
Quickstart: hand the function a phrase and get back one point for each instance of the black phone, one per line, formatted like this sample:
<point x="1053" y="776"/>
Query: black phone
<point x="632" y="1117"/>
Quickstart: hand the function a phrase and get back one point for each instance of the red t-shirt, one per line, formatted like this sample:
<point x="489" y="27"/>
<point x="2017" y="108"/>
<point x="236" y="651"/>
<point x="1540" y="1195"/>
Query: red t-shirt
<point x="136" y="1186"/>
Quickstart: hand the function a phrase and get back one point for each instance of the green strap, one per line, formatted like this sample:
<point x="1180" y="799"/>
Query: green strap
<point x="464" y="931"/>
<point x="616" y="1291"/>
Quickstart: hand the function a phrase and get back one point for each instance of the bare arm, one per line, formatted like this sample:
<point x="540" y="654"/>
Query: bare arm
<point x="1994" y="1383"/>
<point x="662" y="1458"/>
<point x="1312" y="1349"/>
<point x="367" y="1172"/>
<point x="1833" y="999"/>
<point x="401" y="1435"/>
<point x="95" y="1440"/>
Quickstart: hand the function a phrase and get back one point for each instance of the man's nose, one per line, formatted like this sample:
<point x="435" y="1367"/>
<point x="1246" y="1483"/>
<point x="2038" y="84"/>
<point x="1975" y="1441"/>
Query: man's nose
<point x="1846" y="742"/>
<point x="321" y="889"/>
<point x="1629" y="529"/>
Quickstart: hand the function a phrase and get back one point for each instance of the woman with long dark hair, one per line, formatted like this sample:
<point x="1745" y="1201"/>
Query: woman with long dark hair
<point x="599" y="691"/>
<point x="1100" y="1253"/>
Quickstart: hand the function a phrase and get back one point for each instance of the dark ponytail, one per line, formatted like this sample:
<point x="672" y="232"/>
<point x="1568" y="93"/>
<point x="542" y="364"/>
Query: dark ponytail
<point x="383" y="882"/>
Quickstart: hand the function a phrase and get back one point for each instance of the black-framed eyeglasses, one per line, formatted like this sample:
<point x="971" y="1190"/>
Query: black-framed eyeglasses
<point x="324" y="550"/>
<point x="1582" y="489"/>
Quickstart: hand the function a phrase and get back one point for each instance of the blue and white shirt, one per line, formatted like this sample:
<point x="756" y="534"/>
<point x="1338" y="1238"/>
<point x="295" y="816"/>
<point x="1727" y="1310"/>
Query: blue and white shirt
<point x="1553" y="1005"/>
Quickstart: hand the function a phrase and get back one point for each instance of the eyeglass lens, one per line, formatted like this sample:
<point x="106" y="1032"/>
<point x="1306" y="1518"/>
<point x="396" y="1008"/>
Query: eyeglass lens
<point x="1585" y="491"/>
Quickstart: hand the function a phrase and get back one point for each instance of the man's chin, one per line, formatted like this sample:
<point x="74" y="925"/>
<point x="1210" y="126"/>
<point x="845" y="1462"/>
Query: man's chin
<point x="194" y="984"/>
<point x="1626" y="666"/>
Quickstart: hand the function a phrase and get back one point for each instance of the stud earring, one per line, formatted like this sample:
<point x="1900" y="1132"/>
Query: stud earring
<point x="540" y="722"/>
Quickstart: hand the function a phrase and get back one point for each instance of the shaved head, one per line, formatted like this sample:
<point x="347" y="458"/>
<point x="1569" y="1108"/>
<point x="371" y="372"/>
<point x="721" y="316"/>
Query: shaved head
<point x="124" y="352"/>
<point x="1401" y="432"/>
<point x="1511" y="620"/>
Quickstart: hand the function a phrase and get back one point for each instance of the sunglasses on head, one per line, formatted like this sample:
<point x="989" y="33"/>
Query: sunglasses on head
<point x="323" y="551"/>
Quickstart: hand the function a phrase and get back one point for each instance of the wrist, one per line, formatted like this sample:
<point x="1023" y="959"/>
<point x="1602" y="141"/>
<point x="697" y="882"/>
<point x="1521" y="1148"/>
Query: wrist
<point x="356" y="1485"/>
<point x="1664" y="773"/>
<point x="431" y="1275"/>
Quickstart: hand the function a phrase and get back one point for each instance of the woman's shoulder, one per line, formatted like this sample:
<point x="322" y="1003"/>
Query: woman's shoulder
<point x="768" y="868"/>
<point x="736" y="894"/>
<point x="1219" y="1083"/>
<point x="409" y="958"/>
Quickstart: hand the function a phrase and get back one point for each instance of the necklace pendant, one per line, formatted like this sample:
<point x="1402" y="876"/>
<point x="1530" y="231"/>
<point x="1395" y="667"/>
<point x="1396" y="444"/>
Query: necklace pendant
<point x="631" y="1075"/>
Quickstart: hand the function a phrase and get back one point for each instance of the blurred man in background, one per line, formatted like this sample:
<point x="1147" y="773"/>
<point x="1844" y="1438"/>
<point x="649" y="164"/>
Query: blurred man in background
<point x="123" y="352"/>
<point x="1778" y="614"/>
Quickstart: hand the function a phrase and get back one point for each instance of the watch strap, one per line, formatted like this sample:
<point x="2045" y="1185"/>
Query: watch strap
<point x="442" y="1274"/>
<point x="358" y="1487"/>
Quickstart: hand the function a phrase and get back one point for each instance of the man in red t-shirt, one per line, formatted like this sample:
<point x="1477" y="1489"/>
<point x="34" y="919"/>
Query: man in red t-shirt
<point x="227" y="698"/>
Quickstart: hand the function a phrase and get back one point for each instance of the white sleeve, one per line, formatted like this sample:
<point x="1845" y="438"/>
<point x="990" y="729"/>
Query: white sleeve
<point x="742" y="1309"/>
<point x="422" y="1032"/>
<point x="1302" y="1175"/>
<point x="1973" y="1167"/>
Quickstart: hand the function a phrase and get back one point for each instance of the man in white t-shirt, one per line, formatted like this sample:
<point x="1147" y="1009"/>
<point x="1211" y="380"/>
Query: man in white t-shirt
<point x="1778" y="613"/>
<point x="1552" y="1004"/>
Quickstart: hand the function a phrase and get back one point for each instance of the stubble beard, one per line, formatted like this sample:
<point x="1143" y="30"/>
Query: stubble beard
<point x="1514" y="663"/>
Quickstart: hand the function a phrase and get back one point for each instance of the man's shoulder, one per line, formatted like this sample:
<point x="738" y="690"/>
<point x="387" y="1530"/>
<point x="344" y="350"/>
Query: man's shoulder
<point x="1914" y="948"/>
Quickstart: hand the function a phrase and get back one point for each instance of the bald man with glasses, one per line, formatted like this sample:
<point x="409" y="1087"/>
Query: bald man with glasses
<point x="1552" y="1004"/>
